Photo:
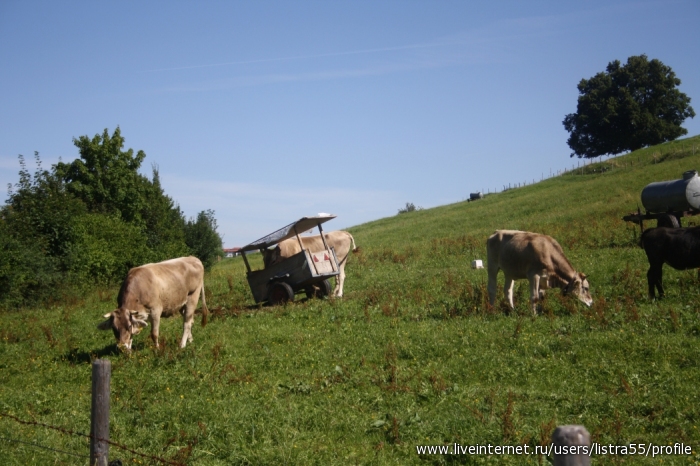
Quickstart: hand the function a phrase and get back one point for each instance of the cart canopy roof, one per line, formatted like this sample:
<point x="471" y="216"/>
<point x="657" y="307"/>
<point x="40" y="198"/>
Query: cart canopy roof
<point x="300" y="226"/>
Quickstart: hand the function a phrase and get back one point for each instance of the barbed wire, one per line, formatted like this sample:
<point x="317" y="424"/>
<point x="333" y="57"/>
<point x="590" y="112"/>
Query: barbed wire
<point x="13" y="440"/>
<point x="81" y="434"/>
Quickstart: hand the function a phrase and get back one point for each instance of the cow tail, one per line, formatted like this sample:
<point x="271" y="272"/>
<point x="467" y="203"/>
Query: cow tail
<point x="205" y="311"/>
<point x="354" y="248"/>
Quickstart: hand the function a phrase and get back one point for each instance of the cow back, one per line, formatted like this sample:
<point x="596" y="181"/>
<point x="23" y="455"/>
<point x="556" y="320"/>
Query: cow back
<point x="340" y="241"/>
<point x="164" y="285"/>
<point x="519" y="253"/>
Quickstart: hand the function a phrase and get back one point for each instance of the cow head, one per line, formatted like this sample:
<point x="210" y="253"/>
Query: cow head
<point x="271" y="256"/>
<point x="124" y="324"/>
<point x="580" y="288"/>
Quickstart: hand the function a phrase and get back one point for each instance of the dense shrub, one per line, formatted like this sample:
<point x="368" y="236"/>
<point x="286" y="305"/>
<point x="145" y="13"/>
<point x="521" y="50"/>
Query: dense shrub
<point x="105" y="248"/>
<point x="89" y="221"/>
<point x="27" y="274"/>
<point x="410" y="207"/>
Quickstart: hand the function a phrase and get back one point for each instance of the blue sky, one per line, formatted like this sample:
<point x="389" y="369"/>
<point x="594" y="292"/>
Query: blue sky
<point x="273" y="110"/>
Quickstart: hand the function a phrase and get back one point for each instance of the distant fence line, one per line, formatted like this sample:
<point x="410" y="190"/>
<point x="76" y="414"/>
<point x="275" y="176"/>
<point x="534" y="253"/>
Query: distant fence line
<point x="655" y="158"/>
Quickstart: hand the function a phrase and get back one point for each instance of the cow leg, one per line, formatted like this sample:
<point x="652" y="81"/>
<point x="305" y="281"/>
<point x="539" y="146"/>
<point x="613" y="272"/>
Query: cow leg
<point x="188" y="318"/>
<point x="508" y="290"/>
<point x="155" y="320"/>
<point x="186" y="332"/>
<point x="339" y="281"/>
<point x="534" y="292"/>
<point x="654" y="278"/>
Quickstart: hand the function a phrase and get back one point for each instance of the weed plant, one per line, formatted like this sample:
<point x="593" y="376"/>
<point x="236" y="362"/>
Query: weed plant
<point x="412" y="355"/>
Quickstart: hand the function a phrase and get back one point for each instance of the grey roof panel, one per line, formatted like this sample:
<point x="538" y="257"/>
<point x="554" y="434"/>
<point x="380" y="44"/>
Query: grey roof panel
<point x="303" y="224"/>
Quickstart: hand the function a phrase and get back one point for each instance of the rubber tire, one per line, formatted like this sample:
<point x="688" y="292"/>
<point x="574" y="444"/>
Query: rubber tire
<point x="668" y="220"/>
<point x="280" y="293"/>
<point x="320" y="290"/>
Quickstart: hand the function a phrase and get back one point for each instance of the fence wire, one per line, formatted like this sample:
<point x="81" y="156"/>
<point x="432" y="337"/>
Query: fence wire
<point x="63" y="430"/>
<point x="37" y="445"/>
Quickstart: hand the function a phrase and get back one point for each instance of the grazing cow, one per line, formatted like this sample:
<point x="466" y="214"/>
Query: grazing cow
<point x="534" y="256"/>
<point x="340" y="241"/>
<point x="677" y="247"/>
<point x="153" y="291"/>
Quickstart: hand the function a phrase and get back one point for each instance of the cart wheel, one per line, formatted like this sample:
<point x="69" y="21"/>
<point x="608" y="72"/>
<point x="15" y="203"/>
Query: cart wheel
<point x="319" y="290"/>
<point x="280" y="293"/>
<point x="668" y="220"/>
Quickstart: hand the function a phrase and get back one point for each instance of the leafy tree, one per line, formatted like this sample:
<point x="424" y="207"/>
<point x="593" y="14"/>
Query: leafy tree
<point x="105" y="248"/>
<point x="105" y="177"/>
<point x="202" y="239"/>
<point x="627" y="107"/>
<point x="27" y="274"/>
<point x="164" y="222"/>
<point x="40" y="209"/>
<point x="89" y="221"/>
<point x="35" y="231"/>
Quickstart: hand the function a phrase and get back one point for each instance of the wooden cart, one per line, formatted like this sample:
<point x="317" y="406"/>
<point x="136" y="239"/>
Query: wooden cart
<point x="303" y="272"/>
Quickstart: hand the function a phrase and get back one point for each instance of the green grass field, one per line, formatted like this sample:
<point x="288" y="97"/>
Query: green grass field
<point x="412" y="355"/>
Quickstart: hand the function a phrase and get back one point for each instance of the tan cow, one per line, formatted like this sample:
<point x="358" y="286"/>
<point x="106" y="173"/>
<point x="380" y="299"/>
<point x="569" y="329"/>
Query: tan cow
<point x="153" y="291"/>
<point x="340" y="241"/>
<point x="534" y="256"/>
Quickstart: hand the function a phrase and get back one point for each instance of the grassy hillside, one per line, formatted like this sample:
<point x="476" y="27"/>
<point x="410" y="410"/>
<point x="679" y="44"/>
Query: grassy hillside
<point x="412" y="355"/>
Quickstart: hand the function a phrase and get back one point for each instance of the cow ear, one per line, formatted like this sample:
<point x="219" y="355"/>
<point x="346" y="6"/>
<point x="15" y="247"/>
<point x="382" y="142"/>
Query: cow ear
<point x="139" y="315"/>
<point x="582" y="275"/>
<point x="138" y="321"/>
<point x="108" y="315"/>
<point x="137" y="326"/>
<point x="106" y="324"/>
<point x="572" y="285"/>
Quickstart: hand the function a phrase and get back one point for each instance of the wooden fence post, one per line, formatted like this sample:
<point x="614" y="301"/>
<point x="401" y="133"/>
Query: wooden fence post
<point x="99" y="417"/>
<point x="569" y="436"/>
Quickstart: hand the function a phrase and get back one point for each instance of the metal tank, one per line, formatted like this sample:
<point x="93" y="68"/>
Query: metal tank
<point x="673" y="196"/>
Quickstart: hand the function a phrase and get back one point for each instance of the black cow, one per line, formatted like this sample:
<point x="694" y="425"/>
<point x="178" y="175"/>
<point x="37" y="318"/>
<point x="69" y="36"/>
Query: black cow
<point x="677" y="247"/>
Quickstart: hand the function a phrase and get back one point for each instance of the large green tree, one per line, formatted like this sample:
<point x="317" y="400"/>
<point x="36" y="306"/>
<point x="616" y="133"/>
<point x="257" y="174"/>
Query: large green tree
<point x="35" y="236"/>
<point x="627" y="107"/>
<point x="89" y="221"/>
<point x="107" y="179"/>
<point x="203" y="239"/>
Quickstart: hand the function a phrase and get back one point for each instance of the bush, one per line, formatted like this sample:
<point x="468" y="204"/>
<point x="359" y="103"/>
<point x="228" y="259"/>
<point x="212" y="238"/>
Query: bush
<point x="27" y="274"/>
<point x="202" y="239"/>
<point x="105" y="248"/>
<point x="89" y="221"/>
<point x="409" y="208"/>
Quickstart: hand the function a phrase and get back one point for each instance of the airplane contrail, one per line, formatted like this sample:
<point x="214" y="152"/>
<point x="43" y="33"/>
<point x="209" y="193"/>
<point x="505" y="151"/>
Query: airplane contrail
<point x="299" y="57"/>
